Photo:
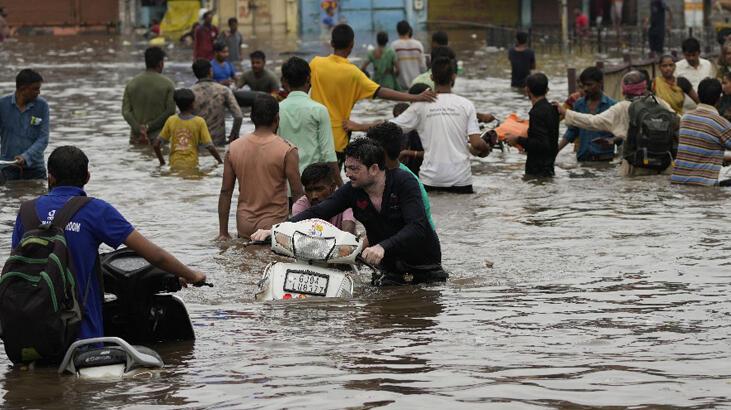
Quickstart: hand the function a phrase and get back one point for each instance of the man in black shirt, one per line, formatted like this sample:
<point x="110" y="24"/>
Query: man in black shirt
<point x="542" y="142"/>
<point x="656" y="26"/>
<point x="388" y="203"/>
<point x="522" y="60"/>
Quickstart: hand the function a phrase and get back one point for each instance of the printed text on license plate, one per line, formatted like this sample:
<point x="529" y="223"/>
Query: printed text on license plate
<point x="305" y="282"/>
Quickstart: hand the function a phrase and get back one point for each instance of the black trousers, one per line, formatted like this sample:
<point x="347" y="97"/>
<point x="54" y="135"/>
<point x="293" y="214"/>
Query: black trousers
<point x="413" y="276"/>
<point x="657" y="41"/>
<point x="467" y="189"/>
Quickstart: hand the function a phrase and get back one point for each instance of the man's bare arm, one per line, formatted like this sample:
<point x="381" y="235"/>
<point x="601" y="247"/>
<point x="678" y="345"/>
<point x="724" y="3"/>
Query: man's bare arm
<point x="162" y="259"/>
<point x="224" y="198"/>
<point x="349" y="125"/>
<point x="393" y="95"/>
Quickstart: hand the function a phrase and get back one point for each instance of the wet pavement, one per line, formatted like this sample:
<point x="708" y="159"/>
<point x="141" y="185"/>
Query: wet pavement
<point x="587" y="290"/>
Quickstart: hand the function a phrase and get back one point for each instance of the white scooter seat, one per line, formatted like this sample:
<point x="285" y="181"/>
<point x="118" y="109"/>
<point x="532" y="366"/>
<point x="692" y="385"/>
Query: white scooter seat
<point x="85" y="358"/>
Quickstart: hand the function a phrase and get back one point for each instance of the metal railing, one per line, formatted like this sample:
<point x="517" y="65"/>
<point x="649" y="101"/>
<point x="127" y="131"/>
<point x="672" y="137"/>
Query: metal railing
<point x="600" y="40"/>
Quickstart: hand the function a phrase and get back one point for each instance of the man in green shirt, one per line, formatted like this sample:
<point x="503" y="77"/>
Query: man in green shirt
<point x="389" y="136"/>
<point x="259" y="78"/>
<point x="148" y="99"/>
<point x="304" y="122"/>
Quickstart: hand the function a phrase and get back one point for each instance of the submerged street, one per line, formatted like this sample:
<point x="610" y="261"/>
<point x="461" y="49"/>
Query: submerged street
<point x="588" y="290"/>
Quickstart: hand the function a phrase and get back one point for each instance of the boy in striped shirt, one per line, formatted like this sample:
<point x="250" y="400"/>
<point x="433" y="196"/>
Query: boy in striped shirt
<point x="704" y="137"/>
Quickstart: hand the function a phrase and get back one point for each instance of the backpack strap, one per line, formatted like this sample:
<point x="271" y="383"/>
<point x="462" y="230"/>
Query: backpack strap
<point x="28" y="215"/>
<point x="60" y="220"/>
<point x="64" y="215"/>
<point x="99" y="278"/>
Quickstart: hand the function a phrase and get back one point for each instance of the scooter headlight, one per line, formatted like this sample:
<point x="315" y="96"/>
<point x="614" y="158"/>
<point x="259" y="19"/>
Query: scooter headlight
<point x="285" y="241"/>
<point x="312" y="248"/>
<point x="343" y="251"/>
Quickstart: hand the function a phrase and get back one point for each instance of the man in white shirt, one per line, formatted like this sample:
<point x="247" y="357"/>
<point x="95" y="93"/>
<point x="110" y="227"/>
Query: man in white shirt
<point x="410" y="53"/>
<point x="448" y="130"/>
<point x="693" y="68"/>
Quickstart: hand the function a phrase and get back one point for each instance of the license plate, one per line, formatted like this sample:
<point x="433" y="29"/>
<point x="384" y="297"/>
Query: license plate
<point x="309" y="283"/>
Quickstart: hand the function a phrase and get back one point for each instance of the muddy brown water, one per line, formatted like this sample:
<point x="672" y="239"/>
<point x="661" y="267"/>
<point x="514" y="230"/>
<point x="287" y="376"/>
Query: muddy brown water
<point x="602" y="292"/>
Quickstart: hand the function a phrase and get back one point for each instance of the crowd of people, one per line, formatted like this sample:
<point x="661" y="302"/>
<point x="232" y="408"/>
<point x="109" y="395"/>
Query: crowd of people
<point x="655" y="129"/>
<point x="289" y="167"/>
<point x="659" y="18"/>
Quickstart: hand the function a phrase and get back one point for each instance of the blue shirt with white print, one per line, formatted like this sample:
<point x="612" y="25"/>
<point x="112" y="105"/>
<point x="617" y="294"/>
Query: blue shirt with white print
<point x="96" y="223"/>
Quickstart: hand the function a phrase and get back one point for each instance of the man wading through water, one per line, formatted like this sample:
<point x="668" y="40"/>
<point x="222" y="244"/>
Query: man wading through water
<point x="388" y="203"/>
<point x="616" y="120"/>
<point x="148" y="99"/>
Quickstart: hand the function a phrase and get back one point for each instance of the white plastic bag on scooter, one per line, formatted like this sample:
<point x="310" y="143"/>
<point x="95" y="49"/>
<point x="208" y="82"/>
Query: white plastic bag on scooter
<point x="315" y="245"/>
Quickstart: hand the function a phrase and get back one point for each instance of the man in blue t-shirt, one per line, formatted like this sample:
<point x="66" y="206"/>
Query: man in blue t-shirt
<point x="94" y="224"/>
<point x="223" y="71"/>
<point x="592" y="145"/>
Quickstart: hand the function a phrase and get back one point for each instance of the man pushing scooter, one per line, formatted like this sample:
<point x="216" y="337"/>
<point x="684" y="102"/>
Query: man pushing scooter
<point x="388" y="203"/>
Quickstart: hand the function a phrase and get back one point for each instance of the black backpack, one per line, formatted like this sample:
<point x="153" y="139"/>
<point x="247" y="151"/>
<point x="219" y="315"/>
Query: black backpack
<point x="652" y="136"/>
<point x="39" y="313"/>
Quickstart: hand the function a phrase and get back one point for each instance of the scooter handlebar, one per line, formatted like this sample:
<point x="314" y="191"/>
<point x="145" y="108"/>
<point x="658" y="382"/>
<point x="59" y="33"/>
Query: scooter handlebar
<point x="366" y="263"/>
<point x="4" y="163"/>
<point x="265" y="241"/>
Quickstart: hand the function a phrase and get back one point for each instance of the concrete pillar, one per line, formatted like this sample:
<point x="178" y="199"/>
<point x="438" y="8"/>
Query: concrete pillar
<point x="127" y="15"/>
<point x="526" y="11"/>
<point x="292" y="17"/>
<point x="565" y="28"/>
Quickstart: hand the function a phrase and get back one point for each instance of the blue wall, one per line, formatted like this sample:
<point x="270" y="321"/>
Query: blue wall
<point x="364" y="15"/>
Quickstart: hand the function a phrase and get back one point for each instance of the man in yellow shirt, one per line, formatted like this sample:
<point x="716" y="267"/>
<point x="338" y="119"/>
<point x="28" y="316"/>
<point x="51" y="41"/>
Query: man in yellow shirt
<point x="185" y="132"/>
<point x="338" y="85"/>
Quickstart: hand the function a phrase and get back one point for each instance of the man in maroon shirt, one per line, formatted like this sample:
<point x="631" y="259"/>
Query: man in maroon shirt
<point x="204" y="37"/>
<point x="581" y="23"/>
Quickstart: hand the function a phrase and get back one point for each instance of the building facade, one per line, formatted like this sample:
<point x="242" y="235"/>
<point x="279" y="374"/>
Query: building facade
<point x="260" y="16"/>
<point x="498" y="12"/>
<point x="53" y="13"/>
<point x="306" y="16"/>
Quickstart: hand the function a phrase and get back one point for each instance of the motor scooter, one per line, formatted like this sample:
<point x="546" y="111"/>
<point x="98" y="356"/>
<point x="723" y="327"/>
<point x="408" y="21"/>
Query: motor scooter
<point x="323" y="267"/>
<point x="139" y="307"/>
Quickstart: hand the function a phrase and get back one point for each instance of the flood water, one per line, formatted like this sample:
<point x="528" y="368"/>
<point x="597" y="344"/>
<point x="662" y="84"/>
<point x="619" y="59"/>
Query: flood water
<point x="588" y="290"/>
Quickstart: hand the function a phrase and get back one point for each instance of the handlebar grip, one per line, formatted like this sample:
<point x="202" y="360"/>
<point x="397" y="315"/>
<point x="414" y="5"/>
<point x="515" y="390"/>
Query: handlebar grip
<point x="266" y="241"/>
<point x="364" y="262"/>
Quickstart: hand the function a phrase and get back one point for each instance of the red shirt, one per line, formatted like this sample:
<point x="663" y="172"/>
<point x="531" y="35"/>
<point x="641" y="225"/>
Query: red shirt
<point x="582" y="22"/>
<point x="203" y="42"/>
